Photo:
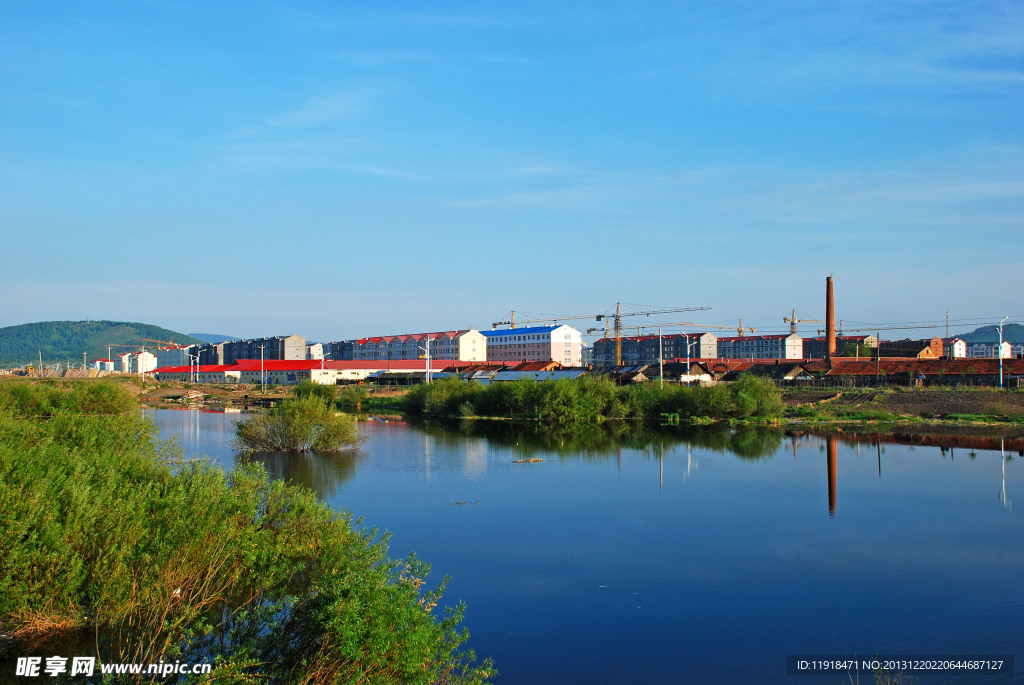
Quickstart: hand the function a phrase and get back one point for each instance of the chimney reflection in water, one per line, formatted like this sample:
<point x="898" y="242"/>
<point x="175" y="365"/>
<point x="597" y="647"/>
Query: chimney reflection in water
<point x="833" y="442"/>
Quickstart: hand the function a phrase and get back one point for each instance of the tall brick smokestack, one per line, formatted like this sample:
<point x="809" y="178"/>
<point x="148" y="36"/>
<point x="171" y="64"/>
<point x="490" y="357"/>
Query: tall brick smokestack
<point x="830" y="319"/>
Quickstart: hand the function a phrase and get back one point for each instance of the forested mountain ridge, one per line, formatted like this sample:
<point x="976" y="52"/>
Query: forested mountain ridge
<point x="1012" y="333"/>
<point x="64" y="341"/>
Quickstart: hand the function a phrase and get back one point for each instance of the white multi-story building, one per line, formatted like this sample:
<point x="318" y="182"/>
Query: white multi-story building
<point x="465" y="346"/>
<point x="175" y="356"/>
<point x="137" y="362"/>
<point x="761" y="347"/>
<point x="563" y="344"/>
<point x="954" y="348"/>
<point x="990" y="350"/>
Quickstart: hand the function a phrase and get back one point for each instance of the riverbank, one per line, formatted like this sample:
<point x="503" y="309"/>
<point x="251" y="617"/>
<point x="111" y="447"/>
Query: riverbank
<point x="110" y="552"/>
<point x="961" y="408"/>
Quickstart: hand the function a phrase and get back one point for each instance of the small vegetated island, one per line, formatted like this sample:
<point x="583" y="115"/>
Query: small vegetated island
<point x="106" y="547"/>
<point x="305" y="422"/>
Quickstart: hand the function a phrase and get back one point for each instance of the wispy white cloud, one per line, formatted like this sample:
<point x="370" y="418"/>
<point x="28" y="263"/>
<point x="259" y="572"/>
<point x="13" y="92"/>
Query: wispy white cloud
<point x="384" y="57"/>
<point x="780" y="49"/>
<point x="322" y="110"/>
<point x="310" y="20"/>
<point x="318" y="111"/>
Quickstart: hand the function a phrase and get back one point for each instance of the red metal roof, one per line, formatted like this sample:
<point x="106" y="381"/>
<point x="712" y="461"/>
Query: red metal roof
<point x="372" y="364"/>
<point x="203" y="368"/>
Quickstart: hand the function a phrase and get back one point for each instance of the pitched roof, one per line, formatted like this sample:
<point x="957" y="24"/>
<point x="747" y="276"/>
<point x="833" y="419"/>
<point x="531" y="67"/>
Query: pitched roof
<point x="926" y="367"/>
<point x="203" y="368"/>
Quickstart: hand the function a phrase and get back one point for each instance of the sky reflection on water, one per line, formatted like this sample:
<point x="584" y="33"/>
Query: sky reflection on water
<point x="661" y="559"/>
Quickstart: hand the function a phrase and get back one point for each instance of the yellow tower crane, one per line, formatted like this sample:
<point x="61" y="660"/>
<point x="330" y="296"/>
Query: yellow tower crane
<point x="166" y="344"/>
<point x="793" y="321"/>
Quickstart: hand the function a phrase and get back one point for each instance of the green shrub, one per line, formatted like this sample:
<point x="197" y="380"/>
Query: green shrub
<point x="298" y="424"/>
<point x="351" y="399"/>
<point x="442" y="397"/>
<point x="27" y="399"/>
<point x="311" y="389"/>
<point x="758" y="397"/>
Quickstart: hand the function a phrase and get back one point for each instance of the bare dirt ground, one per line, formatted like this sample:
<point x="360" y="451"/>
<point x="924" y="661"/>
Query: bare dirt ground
<point x="934" y="403"/>
<point x="923" y="403"/>
<point x="177" y="393"/>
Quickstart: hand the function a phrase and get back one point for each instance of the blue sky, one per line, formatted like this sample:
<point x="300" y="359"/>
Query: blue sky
<point x="338" y="170"/>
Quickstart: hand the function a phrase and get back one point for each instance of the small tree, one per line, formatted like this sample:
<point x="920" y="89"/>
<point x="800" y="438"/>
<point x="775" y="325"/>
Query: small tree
<point x="298" y="424"/>
<point x="757" y="396"/>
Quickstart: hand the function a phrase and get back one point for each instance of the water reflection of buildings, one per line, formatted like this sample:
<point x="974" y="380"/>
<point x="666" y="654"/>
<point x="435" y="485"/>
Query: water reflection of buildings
<point x="1007" y="504"/>
<point x="475" y="464"/>
<point x="943" y="442"/>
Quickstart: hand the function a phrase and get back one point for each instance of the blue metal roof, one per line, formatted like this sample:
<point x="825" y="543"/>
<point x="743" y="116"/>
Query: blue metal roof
<point x="522" y="331"/>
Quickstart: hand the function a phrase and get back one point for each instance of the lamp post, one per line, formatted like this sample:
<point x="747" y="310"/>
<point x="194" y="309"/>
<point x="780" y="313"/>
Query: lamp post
<point x="194" y="359"/>
<point x="999" y="351"/>
<point x="661" y="359"/>
<point x="263" y="383"/>
<point x="427" y="351"/>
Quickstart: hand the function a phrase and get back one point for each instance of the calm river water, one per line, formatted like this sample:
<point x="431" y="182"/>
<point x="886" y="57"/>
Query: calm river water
<point x="702" y="558"/>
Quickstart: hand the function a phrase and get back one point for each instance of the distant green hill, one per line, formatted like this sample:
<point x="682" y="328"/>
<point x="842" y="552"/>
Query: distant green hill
<point x="62" y="341"/>
<point x="1012" y="333"/>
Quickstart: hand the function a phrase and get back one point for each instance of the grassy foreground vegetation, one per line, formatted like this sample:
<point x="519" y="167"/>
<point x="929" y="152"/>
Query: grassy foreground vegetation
<point x="102" y="543"/>
<point x="591" y="399"/>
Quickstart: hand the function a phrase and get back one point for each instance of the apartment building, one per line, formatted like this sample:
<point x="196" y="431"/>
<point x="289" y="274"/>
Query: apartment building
<point x="175" y="356"/>
<point x="563" y="344"/>
<point x="761" y="347"/>
<point x="468" y="345"/>
<point x="645" y="349"/>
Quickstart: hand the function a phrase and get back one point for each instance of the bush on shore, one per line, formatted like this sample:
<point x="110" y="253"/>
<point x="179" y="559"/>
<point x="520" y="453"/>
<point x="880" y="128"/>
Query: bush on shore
<point x="102" y="540"/>
<point x="326" y="393"/>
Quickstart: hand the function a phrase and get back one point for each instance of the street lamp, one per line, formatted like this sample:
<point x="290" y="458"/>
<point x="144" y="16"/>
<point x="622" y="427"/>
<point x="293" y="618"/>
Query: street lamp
<point x="195" y="376"/>
<point x="263" y="383"/>
<point x="999" y="351"/>
<point x="427" y="350"/>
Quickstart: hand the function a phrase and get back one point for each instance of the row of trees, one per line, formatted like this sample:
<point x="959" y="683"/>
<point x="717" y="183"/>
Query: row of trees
<point x="594" y="398"/>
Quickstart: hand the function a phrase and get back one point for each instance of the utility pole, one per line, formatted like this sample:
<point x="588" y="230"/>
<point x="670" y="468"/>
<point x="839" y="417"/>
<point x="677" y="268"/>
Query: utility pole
<point x="661" y="357"/>
<point x="878" y="355"/>
<point x="686" y="341"/>
<point x="428" y="360"/>
<point x="999" y="351"/>
<point x="947" y="323"/>
<point x="84" y="364"/>
<point x="618" y="334"/>
<point x="40" y="363"/>
<point x="263" y="383"/>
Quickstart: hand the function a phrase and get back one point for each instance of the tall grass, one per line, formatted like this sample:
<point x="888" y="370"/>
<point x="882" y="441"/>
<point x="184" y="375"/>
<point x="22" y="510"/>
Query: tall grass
<point x="99" y="536"/>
